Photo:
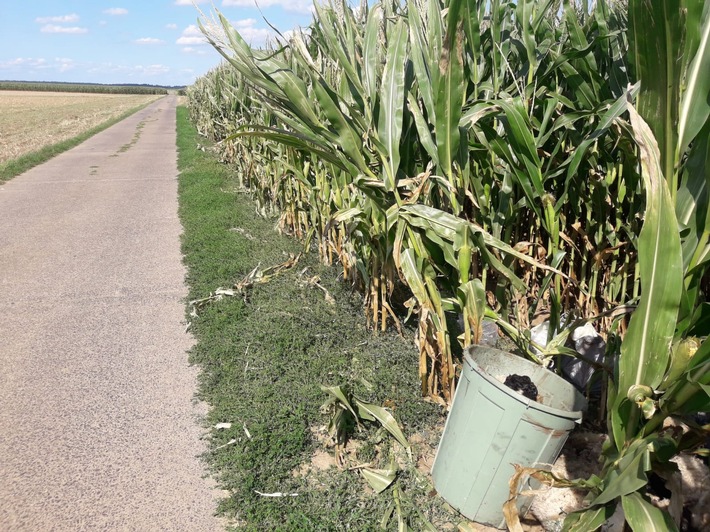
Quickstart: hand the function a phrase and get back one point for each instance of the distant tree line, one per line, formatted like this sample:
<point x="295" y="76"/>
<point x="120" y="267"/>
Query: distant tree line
<point x="58" y="86"/>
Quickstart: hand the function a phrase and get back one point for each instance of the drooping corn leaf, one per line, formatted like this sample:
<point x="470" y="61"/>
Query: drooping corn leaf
<point x="446" y="226"/>
<point x="295" y="140"/>
<point x="645" y="350"/>
<point x="387" y="420"/>
<point x="341" y="395"/>
<point x="410" y="270"/>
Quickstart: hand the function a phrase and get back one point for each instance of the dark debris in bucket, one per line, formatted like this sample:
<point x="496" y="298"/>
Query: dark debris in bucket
<point x="523" y="385"/>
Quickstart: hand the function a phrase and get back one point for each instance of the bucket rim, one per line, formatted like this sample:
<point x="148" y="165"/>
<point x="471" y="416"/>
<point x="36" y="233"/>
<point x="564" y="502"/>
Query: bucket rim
<point x="580" y="400"/>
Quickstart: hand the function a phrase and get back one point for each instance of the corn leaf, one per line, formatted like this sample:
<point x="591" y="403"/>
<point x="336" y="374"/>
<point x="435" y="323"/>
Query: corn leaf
<point x="447" y="225"/>
<point x="656" y="43"/>
<point x="588" y="519"/>
<point x="425" y="136"/>
<point x="643" y="516"/>
<point x="450" y="92"/>
<point x="645" y="351"/>
<point x="410" y="270"/>
<point x="628" y="476"/>
<point x="295" y="140"/>
<point x="370" y="53"/>
<point x="693" y="202"/>
<point x="349" y="140"/>
<point x="392" y="103"/>
<point x="379" y="479"/>
<point x="421" y="59"/>
<point x="695" y="104"/>
<point x="338" y="393"/>
<point x="327" y="26"/>
<point x="387" y="420"/>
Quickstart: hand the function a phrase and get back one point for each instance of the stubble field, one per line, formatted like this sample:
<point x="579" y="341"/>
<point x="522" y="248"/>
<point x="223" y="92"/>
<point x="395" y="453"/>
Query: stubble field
<point x="30" y="121"/>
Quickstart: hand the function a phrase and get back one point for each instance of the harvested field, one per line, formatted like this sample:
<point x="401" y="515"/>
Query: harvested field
<point x="30" y="121"/>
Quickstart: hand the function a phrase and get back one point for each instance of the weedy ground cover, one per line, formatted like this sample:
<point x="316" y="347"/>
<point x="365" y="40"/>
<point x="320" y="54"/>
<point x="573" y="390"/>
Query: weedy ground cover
<point x="264" y="355"/>
<point x="31" y="121"/>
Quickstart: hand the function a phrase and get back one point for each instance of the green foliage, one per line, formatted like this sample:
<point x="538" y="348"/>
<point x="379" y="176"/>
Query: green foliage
<point x="390" y="107"/>
<point x="81" y="87"/>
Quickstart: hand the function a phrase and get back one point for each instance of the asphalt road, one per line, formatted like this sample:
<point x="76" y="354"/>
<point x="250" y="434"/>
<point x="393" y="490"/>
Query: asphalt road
<point x="98" y="424"/>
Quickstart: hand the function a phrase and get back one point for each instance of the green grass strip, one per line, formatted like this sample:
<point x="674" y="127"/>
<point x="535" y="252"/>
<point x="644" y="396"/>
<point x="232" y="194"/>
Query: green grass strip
<point x="15" y="167"/>
<point x="264" y="356"/>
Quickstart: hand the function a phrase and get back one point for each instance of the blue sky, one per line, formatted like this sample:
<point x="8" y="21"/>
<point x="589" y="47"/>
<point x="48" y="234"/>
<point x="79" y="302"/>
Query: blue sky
<point x="127" y="41"/>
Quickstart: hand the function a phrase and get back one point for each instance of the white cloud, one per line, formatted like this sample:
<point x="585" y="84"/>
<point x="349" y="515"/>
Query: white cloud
<point x="255" y="36"/>
<point x="300" y="6"/>
<point x="58" y="20"/>
<point x="52" y="24"/>
<point x="191" y="36"/>
<point x="252" y="35"/>
<point x="171" y="26"/>
<point x="148" y="40"/>
<point x="115" y="11"/>
<point x="23" y="62"/>
<point x="152" y="70"/>
<point x="129" y="71"/>
<point x="53" y="28"/>
<point x="31" y="64"/>
<point x="195" y="51"/>
<point x="244" y="23"/>
<point x="64" y="64"/>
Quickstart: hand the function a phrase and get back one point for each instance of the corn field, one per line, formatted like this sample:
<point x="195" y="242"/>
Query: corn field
<point x="454" y="158"/>
<point x="92" y="88"/>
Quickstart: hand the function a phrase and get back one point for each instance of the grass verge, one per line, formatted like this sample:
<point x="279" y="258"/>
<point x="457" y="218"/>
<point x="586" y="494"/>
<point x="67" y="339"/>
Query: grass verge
<point x="15" y="167"/>
<point x="264" y="357"/>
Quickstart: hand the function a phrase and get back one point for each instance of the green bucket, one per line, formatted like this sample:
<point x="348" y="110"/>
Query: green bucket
<point x="491" y="427"/>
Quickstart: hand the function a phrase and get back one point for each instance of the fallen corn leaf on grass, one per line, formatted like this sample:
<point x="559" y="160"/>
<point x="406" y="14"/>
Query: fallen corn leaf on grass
<point x="263" y="361"/>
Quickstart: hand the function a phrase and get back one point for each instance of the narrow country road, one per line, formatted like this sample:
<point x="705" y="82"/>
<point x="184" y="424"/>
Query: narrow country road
<point x="98" y="427"/>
